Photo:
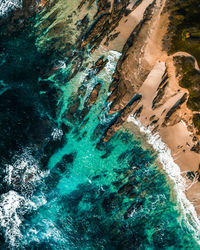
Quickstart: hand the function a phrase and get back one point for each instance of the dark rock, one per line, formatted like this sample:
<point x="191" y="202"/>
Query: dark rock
<point x="97" y="29"/>
<point x="194" y="139"/>
<point x="138" y="111"/>
<point x="94" y="94"/>
<point x="65" y="163"/>
<point x="123" y="156"/>
<point x="132" y="195"/>
<point x="131" y="179"/>
<point x="83" y="24"/>
<point x="84" y="134"/>
<point x="72" y="109"/>
<point x="103" y="7"/>
<point x="174" y="108"/>
<point x="81" y="4"/>
<point x="126" y="189"/>
<point x="106" y="155"/>
<point x="159" y="96"/>
<point x="69" y="158"/>
<point x="117" y="183"/>
<point x="99" y="65"/>
<point x="96" y="177"/>
<point x="152" y="117"/>
<point x="66" y="128"/>
<point x="110" y="202"/>
<point x="111" y="38"/>
<point x="196" y="148"/>
<point x="165" y="77"/>
<point x="190" y="175"/>
<point x="121" y="118"/>
<point x="98" y="131"/>
<point x="154" y="121"/>
<point x="133" y="209"/>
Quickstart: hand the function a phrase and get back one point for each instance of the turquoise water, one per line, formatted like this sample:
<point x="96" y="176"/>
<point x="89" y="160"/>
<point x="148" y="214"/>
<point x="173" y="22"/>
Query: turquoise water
<point x="112" y="197"/>
<point x="85" y="194"/>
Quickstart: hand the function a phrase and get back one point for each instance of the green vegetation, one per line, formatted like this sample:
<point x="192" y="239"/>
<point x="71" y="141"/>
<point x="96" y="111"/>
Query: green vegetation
<point x="184" y="33"/>
<point x="184" y="27"/>
<point x="190" y="79"/>
<point x="196" y="121"/>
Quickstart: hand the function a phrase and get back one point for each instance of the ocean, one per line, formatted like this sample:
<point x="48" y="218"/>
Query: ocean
<point x="62" y="187"/>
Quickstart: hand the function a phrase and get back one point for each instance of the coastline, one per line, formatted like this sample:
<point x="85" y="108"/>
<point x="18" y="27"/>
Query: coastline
<point x="145" y="96"/>
<point x="176" y="136"/>
<point x="149" y="70"/>
<point x="173" y="172"/>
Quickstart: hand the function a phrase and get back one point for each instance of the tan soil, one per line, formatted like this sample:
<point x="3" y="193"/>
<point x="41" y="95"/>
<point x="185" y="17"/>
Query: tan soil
<point x="150" y="57"/>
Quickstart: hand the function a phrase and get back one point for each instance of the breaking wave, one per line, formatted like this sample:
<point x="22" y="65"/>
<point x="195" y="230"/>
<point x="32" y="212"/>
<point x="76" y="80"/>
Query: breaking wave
<point x="8" y="5"/>
<point x="174" y="172"/>
<point x="22" y="177"/>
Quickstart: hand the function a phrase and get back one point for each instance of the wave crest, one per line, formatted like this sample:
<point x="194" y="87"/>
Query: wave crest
<point x="8" y="5"/>
<point x="174" y="172"/>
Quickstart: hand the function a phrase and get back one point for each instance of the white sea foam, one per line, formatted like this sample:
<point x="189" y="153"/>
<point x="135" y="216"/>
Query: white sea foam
<point x="173" y="170"/>
<point x="9" y="217"/>
<point x="57" y="134"/>
<point x="107" y="72"/>
<point x="8" y="5"/>
<point x="24" y="174"/>
<point x="113" y="57"/>
<point x="48" y="231"/>
<point x="12" y="208"/>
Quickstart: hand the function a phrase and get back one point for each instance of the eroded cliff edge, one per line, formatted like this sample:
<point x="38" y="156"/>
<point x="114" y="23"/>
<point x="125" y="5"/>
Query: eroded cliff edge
<point x="157" y="75"/>
<point x="160" y="61"/>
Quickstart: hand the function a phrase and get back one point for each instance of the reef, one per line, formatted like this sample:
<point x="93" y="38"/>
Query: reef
<point x="73" y="75"/>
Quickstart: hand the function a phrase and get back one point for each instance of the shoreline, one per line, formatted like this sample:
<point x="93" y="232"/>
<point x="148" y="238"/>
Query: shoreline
<point x="86" y="62"/>
<point x="150" y="71"/>
<point x="173" y="172"/>
<point x="174" y="133"/>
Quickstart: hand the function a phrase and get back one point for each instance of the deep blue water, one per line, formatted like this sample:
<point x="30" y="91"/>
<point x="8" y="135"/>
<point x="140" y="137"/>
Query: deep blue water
<point x="61" y="187"/>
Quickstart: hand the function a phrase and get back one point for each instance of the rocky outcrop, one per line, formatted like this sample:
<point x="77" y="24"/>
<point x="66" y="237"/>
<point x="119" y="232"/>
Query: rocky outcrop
<point x="103" y="7"/>
<point x="96" y="32"/>
<point x="174" y="109"/>
<point x="99" y="65"/>
<point x="65" y="163"/>
<point x="124" y="88"/>
<point x="138" y="111"/>
<point x="18" y="18"/>
<point x="160" y="93"/>
<point x="196" y="148"/>
<point x="121" y="117"/>
<point x="126" y="188"/>
<point x="93" y="96"/>
<point x="106" y="20"/>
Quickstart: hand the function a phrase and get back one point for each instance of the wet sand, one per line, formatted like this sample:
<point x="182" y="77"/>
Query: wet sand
<point x="178" y="132"/>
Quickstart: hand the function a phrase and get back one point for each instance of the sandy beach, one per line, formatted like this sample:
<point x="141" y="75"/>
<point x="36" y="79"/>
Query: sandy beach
<point x="178" y="131"/>
<point x="99" y="124"/>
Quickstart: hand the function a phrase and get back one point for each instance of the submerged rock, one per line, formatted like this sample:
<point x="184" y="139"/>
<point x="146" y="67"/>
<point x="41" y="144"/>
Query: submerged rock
<point x="133" y="209"/>
<point x="110" y="202"/>
<point x="66" y="162"/>
<point x="126" y="189"/>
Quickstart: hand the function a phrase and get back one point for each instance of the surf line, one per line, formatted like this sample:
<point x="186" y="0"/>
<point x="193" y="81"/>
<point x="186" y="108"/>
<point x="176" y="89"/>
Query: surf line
<point x="174" y="172"/>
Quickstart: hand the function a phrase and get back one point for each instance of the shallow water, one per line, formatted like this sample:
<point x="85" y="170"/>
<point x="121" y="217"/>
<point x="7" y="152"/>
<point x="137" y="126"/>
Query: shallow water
<point x="62" y="189"/>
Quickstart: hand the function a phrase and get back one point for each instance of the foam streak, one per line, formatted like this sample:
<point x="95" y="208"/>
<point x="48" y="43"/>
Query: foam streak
<point x="173" y="171"/>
